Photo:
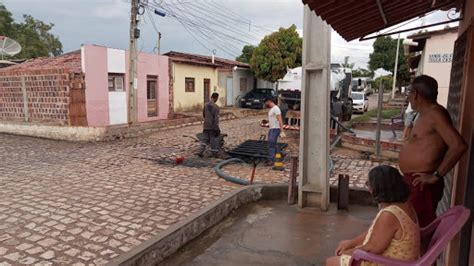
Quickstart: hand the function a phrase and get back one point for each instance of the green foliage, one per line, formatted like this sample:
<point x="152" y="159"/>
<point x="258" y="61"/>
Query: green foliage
<point x="386" y="114"/>
<point x="246" y="55"/>
<point x="384" y="54"/>
<point x="361" y="72"/>
<point x="387" y="83"/>
<point x="277" y="52"/>
<point x="34" y="35"/>
<point x="6" y="22"/>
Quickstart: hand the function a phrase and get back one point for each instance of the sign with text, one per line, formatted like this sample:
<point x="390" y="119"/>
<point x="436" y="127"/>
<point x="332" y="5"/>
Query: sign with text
<point x="440" y="58"/>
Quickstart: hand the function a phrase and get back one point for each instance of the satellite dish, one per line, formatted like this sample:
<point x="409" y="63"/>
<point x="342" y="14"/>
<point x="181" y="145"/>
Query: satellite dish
<point x="9" y="47"/>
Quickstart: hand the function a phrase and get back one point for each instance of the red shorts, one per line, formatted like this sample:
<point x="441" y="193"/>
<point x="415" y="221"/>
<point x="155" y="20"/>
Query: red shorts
<point x="425" y="202"/>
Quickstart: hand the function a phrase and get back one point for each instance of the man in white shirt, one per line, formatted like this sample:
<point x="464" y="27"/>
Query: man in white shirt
<point x="276" y="129"/>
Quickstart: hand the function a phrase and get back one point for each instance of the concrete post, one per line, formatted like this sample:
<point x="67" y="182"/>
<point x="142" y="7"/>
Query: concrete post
<point x="314" y="135"/>
<point x="379" y="118"/>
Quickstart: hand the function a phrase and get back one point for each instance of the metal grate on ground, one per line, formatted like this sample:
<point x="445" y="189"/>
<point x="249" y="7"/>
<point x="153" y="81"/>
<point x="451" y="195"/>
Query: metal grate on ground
<point x="256" y="149"/>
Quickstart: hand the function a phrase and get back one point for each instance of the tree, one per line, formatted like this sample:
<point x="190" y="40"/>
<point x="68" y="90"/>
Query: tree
<point x="361" y="72"/>
<point x="34" y="35"/>
<point x="246" y="55"/>
<point x="277" y="52"/>
<point x="384" y="54"/>
<point x="346" y="63"/>
<point x="6" y="22"/>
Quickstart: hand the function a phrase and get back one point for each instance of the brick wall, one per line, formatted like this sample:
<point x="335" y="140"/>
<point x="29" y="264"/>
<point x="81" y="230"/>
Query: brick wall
<point x="40" y="96"/>
<point x="11" y="98"/>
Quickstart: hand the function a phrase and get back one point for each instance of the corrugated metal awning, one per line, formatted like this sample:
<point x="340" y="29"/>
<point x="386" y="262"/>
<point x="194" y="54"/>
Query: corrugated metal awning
<point x="355" y="19"/>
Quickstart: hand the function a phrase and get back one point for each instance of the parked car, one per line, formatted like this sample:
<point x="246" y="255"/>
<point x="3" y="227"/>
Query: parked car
<point x="256" y="98"/>
<point x="360" y="102"/>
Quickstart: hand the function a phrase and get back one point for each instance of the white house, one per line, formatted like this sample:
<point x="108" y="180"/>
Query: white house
<point x="433" y="57"/>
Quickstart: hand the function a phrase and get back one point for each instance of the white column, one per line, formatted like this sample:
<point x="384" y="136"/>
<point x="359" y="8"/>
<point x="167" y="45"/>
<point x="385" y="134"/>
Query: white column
<point x="314" y="135"/>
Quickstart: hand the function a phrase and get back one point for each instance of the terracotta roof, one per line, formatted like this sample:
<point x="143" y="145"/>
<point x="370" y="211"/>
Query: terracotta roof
<point x="188" y="58"/>
<point x="356" y="19"/>
<point x="71" y="61"/>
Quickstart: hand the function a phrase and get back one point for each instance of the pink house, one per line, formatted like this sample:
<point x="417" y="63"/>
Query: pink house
<point x="106" y="80"/>
<point x="82" y="89"/>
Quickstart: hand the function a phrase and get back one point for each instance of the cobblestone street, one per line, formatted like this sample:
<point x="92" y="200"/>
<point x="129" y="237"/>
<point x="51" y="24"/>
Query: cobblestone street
<point x="81" y="203"/>
<point x="86" y="203"/>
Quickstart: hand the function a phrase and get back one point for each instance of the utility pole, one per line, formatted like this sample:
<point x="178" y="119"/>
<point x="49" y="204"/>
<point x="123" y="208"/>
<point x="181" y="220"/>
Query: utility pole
<point x="396" y="67"/>
<point x="132" y="64"/>
<point x="158" y="44"/>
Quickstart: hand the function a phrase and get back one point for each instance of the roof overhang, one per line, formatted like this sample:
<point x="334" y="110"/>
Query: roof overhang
<point x="356" y="19"/>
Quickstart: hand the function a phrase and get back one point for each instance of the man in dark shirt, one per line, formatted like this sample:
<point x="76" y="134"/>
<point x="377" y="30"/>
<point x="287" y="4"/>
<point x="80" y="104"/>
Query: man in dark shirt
<point x="211" y="130"/>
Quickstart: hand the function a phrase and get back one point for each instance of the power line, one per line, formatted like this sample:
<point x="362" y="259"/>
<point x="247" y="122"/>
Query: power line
<point x="236" y="17"/>
<point x="185" y="20"/>
<point x="224" y="23"/>
<point x="217" y="22"/>
<point x="187" y="24"/>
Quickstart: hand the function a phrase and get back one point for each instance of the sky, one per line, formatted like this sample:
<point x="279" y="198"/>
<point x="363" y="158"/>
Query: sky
<point x="106" y="22"/>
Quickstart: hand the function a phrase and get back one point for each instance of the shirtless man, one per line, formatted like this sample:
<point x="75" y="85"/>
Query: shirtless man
<point x="432" y="150"/>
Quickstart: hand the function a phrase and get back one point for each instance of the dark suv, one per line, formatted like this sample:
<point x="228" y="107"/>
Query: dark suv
<point x="256" y="97"/>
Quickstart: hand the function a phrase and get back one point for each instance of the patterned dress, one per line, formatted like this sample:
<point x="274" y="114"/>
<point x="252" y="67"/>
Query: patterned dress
<point x="406" y="248"/>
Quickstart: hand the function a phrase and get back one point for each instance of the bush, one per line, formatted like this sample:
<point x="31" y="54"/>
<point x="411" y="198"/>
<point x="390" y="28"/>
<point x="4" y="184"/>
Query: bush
<point x="387" y="83"/>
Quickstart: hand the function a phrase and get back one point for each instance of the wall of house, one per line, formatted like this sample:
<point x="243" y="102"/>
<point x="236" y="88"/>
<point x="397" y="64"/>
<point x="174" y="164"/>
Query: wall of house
<point x="463" y="187"/>
<point x="238" y="74"/>
<point x="187" y="101"/>
<point x="153" y="65"/>
<point x="461" y="249"/>
<point x="106" y="108"/>
<point x="222" y="84"/>
<point x="38" y="95"/>
<point x="94" y="66"/>
<point x="263" y="84"/>
<point x="441" y="71"/>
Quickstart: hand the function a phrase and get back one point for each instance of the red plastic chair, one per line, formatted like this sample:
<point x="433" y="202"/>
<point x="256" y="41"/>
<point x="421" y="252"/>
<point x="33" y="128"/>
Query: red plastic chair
<point x="445" y="229"/>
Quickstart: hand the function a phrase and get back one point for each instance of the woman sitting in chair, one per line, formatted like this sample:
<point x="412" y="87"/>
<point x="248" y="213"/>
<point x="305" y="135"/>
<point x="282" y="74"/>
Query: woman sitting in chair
<point x="394" y="233"/>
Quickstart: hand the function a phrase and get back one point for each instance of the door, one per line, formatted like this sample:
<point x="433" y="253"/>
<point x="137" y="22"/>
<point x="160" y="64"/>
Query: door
<point x="207" y="90"/>
<point x="151" y="96"/>
<point x="230" y="91"/>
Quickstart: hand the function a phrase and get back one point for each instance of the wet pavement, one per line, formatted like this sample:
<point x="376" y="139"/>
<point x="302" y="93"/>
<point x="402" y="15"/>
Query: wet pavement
<point x="273" y="233"/>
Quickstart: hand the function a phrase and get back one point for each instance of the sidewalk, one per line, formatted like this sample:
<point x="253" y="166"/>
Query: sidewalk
<point x="273" y="233"/>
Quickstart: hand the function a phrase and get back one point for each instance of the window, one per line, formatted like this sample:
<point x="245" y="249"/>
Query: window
<point x="151" y="88"/>
<point x="189" y="85"/>
<point x="243" y="84"/>
<point x="357" y="96"/>
<point x="116" y="82"/>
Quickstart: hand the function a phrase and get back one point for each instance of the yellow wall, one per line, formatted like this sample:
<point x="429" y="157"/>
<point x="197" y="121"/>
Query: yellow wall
<point x="187" y="101"/>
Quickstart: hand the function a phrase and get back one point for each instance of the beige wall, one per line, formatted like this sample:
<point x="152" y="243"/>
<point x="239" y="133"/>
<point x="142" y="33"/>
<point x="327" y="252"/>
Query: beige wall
<point x="187" y="101"/>
<point x="441" y="71"/>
